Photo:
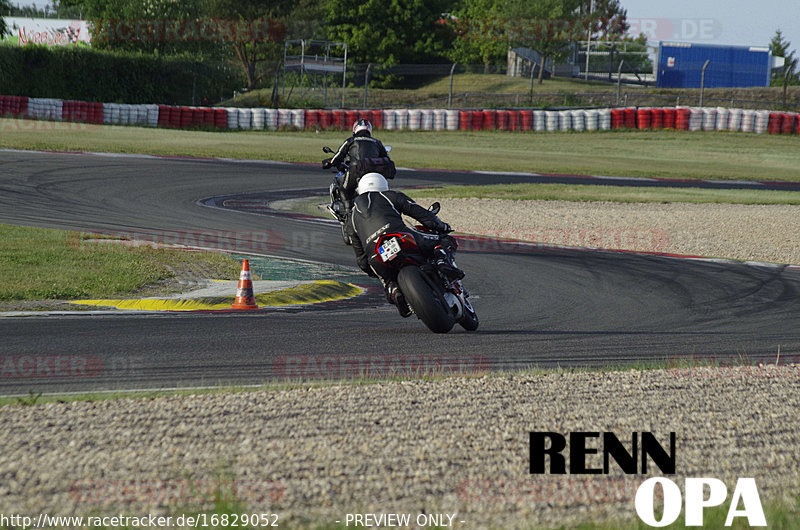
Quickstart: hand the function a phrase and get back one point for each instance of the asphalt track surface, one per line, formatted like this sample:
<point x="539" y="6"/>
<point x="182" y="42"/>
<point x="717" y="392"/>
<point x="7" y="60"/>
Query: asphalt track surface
<point x="538" y="307"/>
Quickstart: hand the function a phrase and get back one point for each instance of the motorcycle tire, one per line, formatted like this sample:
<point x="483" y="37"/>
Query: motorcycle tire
<point x="425" y="299"/>
<point x="469" y="321"/>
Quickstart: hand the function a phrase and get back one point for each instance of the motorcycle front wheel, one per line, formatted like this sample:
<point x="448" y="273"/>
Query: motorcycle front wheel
<point x="425" y="299"/>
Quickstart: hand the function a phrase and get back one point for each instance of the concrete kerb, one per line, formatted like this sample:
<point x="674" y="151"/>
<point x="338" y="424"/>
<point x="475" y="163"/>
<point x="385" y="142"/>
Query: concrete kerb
<point x="219" y="295"/>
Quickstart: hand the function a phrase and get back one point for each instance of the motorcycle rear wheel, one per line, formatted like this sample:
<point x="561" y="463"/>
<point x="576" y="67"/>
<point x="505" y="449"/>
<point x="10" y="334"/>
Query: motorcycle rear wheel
<point x="469" y="321"/>
<point x="425" y="299"/>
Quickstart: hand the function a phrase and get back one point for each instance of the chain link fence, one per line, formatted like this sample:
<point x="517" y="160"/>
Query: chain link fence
<point x="478" y="86"/>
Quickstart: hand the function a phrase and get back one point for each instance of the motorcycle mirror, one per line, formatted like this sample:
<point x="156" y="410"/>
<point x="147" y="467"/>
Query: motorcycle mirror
<point x="327" y="149"/>
<point x="434" y="208"/>
<point x="388" y="148"/>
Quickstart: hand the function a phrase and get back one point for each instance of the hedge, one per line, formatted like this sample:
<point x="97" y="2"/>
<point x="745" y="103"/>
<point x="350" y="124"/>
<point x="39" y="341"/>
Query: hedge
<point x="86" y="74"/>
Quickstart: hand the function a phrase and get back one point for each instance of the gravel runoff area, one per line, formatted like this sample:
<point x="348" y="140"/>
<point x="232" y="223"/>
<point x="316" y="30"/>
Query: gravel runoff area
<point x="768" y="233"/>
<point x="452" y="446"/>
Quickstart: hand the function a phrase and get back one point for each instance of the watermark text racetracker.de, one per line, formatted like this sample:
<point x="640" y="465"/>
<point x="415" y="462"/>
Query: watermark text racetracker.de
<point x="648" y="240"/>
<point x="50" y="366"/>
<point x="254" y="241"/>
<point x="681" y="29"/>
<point x="73" y="365"/>
<point x="13" y="124"/>
<point x="338" y="366"/>
<point x="202" y="520"/>
<point x="717" y="367"/>
<point x="188" y="30"/>
<point x="269" y="241"/>
<point x="522" y="29"/>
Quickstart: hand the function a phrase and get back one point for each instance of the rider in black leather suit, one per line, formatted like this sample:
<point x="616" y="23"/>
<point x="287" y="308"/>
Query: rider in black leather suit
<point x="377" y="211"/>
<point x="364" y="154"/>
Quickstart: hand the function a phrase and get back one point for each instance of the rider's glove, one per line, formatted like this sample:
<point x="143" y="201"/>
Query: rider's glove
<point x="326" y="164"/>
<point x="442" y="227"/>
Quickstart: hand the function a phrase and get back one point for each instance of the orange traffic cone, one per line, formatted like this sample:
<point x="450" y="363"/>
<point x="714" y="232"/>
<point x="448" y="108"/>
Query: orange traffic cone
<point x="245" y="299"/>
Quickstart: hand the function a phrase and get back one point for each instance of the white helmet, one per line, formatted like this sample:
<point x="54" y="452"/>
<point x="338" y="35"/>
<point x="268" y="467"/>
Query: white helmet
<point x="372" y="182"/>
<point x="362" y="125"/>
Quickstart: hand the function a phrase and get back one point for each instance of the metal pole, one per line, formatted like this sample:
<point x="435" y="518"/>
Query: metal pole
<point x="450" y="95"/>
<point x="366" y="83"/>
<point x="302" y="63"/>
<point x="589" y="40"/>
<point x="530" y="93"/>
<point x="619" y="80"/>
<point x="344" y="74"/>
<point x="703" y="81"/>
<point x="325" y="77"/>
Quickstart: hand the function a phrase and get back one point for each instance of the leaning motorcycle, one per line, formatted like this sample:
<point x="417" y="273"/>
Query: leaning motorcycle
<point x="337" y="205"/>
<point x="436" y="300"/>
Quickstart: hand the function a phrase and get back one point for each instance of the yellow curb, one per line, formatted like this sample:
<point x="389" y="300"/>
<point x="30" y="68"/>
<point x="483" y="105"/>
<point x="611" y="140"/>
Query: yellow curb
<point x="307" y="293"/>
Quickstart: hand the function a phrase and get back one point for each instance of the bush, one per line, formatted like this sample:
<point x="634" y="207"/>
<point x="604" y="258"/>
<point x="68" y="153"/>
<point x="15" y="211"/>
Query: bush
<point x="86" y="74"/>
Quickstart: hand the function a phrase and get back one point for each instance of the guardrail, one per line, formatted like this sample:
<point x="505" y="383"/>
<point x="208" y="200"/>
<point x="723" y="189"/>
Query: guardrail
<point x="593" y="119"/>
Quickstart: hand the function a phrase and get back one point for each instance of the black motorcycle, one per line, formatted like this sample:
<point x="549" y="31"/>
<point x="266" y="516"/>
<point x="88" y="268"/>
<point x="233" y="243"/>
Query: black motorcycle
<point x="436" y="300"/>
<point x="338" y="206"/>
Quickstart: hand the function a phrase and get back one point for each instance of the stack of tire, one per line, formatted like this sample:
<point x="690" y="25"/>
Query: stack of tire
<point x="136" y="115"/>
<point x="180" y="117"/>
<point x="13" y="106"/>
<point x="44" y="109"/>
<point x="82" y="112"/>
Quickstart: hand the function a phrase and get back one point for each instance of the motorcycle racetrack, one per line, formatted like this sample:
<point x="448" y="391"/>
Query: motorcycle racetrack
<point x="538" y="307"/>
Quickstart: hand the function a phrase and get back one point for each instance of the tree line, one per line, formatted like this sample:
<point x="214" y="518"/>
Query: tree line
<point x="386" y="32"/>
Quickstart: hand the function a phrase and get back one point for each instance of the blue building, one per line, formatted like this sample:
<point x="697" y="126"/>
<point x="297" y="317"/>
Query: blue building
<point x="680" y="65"/>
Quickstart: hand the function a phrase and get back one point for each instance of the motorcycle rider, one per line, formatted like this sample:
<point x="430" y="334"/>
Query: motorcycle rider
<point x="378" y="210"/>
<point x="364" y="154"/>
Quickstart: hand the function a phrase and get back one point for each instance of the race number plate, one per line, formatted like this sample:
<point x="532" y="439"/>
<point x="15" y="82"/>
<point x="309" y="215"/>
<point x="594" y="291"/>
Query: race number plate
<point x="389" y="249"/>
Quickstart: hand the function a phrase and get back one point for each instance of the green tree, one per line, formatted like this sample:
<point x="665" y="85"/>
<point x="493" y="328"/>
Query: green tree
<point x="263" y="42"/>
<point x="63" y="9"/>
<point x="5" y="9"/>
<point x="608" y="19"/>
<point x="390" y="32"/>
<point x="779" y="45"/>
<point x="480" y="38"/>
<point x="306" y="20"/>
<point x="787" y="75"/>
<point x="549" y="27"/>
<point x="164" y="27"/>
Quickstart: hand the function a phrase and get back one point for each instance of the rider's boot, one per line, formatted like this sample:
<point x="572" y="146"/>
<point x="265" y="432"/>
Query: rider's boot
<point x="394" y="296"/>
<point x="446" y="263"/>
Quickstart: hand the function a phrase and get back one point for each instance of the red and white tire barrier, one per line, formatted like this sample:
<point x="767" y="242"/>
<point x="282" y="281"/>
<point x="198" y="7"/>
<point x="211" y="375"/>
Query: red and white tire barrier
<point x="260" y="119"/>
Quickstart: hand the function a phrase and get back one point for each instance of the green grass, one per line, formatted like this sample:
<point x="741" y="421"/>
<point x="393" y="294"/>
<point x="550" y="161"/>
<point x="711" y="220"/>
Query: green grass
<point x="434" y="88"/>
<point x="501" y="83"/>
<point x="432" y="91"/>
<point x="567" y="192"/>
<point x="37" y="264"/>
<point x="665" y="154"/>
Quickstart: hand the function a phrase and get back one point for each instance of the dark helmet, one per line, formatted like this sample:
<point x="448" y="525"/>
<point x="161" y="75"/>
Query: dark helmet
<point x="362" y="125"/>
